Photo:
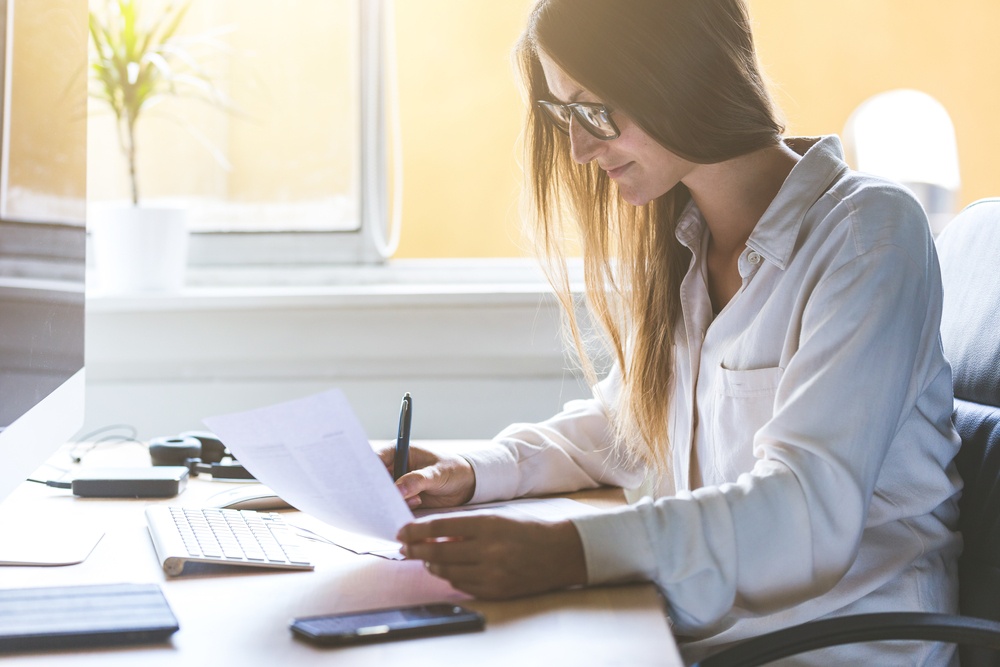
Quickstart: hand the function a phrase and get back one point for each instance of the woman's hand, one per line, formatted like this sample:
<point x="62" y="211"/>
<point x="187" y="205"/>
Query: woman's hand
<point x="492" y="556"/>
<point x="436" y="478"/>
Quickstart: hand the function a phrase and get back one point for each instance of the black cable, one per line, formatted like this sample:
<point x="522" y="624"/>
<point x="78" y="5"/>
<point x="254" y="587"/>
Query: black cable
<point x="87" y="439"/>
<point x="54" y="484"/>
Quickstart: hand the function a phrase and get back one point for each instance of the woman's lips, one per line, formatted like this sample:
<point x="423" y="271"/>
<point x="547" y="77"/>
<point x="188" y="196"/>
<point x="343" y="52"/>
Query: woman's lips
<point x="617" y="171"/>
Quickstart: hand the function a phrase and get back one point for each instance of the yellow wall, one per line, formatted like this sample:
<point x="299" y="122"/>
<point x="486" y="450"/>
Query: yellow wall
<point x="462" y="112"/>
<point x="278" y="84"/>
<point x="823" y="59"/>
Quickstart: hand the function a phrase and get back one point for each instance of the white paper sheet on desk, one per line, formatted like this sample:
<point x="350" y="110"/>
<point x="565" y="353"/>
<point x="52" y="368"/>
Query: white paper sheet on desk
<point x="314" y="454"/>
<point x="547" y="509"/>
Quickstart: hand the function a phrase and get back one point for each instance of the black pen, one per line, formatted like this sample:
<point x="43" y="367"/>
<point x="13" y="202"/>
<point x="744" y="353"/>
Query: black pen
<point x="401" y="463"/>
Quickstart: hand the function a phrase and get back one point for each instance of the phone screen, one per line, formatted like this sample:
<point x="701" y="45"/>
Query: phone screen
<point x="387" y="624"/>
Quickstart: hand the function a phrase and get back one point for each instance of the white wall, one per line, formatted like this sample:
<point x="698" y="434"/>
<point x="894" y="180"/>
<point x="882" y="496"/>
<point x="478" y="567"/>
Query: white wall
<point x="475" y="357"/>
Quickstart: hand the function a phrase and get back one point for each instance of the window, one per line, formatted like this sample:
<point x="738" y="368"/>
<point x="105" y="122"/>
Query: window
<point x="461" y="115"/>
<point x="265" y="153"/>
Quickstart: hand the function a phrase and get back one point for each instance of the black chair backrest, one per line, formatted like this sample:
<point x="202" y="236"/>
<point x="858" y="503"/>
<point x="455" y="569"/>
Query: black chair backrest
<point x="969" y="251"/>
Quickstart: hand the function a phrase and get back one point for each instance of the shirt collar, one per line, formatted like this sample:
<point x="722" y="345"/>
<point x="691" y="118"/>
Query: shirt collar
<point x="690" y="226"/>
<point x="822" y="162"/>
<point x="775" y="234"/>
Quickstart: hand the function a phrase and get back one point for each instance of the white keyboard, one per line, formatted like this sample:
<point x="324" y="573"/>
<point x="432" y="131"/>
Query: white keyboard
<point x="183" y="535"/>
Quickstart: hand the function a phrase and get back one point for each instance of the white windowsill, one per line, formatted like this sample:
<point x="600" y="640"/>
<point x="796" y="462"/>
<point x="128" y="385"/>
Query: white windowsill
<point x="411" y="282"/>
<point x="478" y="340"/>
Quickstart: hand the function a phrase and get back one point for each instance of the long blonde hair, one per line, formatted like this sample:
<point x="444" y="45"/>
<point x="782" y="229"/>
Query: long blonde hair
<point x="686" y="73"/>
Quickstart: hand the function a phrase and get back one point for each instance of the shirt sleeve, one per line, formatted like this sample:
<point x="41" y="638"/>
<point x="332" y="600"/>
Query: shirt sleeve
<point x="571" y="451"/>
<point x="789" y="529"/>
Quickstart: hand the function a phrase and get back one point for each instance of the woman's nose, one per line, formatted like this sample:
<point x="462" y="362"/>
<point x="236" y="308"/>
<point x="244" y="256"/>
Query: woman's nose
<point x="584" y="146"/>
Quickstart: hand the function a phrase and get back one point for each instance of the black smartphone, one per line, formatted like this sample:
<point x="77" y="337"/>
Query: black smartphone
<point x="380" y="625"/>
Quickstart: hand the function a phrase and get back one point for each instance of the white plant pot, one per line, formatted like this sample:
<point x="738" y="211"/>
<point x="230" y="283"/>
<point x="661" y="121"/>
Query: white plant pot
<point x="139" y="249"/>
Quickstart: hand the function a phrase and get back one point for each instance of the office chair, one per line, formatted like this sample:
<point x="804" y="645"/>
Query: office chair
<point x="969" y="251"/>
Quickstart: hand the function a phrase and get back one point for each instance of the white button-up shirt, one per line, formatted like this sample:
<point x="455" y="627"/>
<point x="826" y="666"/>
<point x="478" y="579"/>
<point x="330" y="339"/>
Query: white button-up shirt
<point x="810" y="430"/>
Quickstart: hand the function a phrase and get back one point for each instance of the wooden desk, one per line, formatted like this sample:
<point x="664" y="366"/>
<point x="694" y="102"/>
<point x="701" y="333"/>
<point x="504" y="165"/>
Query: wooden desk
<point x="240" y="616"/>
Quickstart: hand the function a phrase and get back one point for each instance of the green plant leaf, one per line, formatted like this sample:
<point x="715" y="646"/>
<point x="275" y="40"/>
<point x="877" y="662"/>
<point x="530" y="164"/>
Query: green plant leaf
<point x="135" y="64"/>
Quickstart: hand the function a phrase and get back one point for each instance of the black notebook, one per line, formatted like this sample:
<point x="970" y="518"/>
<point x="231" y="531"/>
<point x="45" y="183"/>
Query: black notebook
<point x="61" y="617"/>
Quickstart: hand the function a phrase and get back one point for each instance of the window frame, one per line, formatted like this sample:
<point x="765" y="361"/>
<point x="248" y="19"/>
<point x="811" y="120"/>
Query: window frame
<point x="211" y="250"/>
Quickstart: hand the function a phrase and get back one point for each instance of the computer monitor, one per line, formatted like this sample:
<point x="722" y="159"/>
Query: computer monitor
<point x="43" y="167"/>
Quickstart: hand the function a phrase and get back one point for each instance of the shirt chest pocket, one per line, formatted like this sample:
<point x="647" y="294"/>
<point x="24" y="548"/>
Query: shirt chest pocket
<point x="743" y="402"/>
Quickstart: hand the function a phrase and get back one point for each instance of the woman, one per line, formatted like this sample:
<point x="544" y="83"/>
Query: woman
<point x="779" y="412"/>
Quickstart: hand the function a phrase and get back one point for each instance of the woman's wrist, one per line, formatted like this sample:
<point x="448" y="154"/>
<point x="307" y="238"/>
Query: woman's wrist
<point x="469" y="473"/>
<point x="570" y="560"/>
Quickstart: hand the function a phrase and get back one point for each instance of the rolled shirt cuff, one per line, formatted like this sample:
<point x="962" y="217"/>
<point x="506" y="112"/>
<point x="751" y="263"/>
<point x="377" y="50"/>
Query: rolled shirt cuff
<point x="616" y="546"/>
<point x="496" y="472"/>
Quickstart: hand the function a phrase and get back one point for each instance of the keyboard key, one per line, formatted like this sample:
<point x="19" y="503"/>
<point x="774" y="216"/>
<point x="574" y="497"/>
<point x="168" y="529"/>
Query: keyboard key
<point x="240" y="537"/>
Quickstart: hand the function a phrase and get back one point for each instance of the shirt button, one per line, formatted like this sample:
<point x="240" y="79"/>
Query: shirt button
<point x="753" y="257"/>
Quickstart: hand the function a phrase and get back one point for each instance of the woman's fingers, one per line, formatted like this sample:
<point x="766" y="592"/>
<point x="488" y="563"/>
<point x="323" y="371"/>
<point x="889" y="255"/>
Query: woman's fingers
<point x="460" y="550"/>
<point x="465" y="526"/>
<point x="418" y="481"/>
<point x="445" y="552"/>
<point x="419" y="457"/>
<point x="386" y="455"/>
<point x="436" y="478"/>
<point x="447" y="482"/>
<point x="412" y="485"/>
<point x="497" y="557"/>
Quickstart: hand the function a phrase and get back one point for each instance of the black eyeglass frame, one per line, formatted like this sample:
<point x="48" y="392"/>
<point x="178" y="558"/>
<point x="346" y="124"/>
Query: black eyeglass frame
<point x="578" y="109"/>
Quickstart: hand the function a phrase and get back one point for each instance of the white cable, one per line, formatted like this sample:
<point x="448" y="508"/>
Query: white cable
<point x="387" y="249"/>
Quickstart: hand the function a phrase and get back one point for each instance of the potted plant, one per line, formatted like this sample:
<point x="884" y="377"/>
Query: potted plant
<point x="134" y="65"/>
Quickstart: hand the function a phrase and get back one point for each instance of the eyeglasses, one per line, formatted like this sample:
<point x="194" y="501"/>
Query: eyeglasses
<point x="595" y="118"/>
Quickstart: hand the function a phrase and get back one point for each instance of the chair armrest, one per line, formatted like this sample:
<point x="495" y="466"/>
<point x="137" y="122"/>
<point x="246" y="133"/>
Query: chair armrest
<point x="963" y="630"/>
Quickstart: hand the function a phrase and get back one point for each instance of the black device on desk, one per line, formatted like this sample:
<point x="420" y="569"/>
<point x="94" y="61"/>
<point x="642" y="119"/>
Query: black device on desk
<point x="162" y="482"/>
<point x="200" y="451"/>
<point x="381" y="625"/>
<point x="61" y="617"/>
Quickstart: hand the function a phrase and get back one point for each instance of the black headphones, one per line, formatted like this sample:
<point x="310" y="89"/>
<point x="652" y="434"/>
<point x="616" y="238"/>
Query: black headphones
<point x="201" y="452"/>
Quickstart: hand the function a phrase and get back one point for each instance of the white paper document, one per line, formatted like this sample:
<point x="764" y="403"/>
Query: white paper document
<point x="546" y="509"/>
<point x="315" y="455"/>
